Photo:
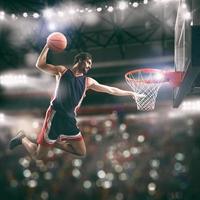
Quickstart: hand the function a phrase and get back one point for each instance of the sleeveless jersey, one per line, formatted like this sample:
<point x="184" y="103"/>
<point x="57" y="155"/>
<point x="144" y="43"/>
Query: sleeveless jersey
<point x="69" y="93"/>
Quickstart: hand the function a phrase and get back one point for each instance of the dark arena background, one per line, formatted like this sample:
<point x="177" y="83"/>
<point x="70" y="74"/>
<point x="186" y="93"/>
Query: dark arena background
<point x="131" y="154"/>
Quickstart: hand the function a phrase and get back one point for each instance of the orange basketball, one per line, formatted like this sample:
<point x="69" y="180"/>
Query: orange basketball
<point x="57" y="41"/>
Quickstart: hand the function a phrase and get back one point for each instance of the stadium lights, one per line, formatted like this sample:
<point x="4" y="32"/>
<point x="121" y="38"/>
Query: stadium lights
<point x="13" y="16"/>
<point x="122" y="5"/>
<point x="25" y="14"/>
<point x="36" y="15"/>
<point x="52" y="26"/>
<point x="110" y="9"/>
<point x="2" y="15"/>
<point x="90" y="10"/>
<point x="60" y="13"/>
<point x="2" y="117"/>
<point x="81" y="11"/>
<point x="187" y="16"/>
<point x="193" y="106"/>
<point x="135" y="4"/>
<point x="165" y="1"/>
<point x="99" y="9"/>
<point x="13" y="80"/>
<point x="72" y="11"/>
<point x="159" y="77"/>
<point x="48" y="13"/>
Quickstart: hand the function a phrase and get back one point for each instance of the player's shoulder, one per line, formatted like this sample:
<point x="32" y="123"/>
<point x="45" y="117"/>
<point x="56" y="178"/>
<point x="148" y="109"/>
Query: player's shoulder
<point x="61" y="69"/>
<point x="90" y="82"/>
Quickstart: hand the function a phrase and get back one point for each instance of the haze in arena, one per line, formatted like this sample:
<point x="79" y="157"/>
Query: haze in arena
<point x="99" y="100"/>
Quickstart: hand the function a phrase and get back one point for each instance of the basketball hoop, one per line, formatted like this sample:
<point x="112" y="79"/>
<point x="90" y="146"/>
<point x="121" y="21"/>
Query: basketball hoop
<point x="146" y="81"/>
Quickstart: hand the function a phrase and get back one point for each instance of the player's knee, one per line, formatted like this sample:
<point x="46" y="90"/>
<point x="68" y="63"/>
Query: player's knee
<point x="81" y="153"/>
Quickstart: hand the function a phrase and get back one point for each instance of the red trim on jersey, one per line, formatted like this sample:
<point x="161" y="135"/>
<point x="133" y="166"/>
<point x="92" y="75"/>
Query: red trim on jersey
<point x="79" y="138"/>
<point x="40" y="138"/>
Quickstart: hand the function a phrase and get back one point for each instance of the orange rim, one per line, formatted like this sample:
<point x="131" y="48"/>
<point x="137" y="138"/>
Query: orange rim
<point x="145" y="70"/>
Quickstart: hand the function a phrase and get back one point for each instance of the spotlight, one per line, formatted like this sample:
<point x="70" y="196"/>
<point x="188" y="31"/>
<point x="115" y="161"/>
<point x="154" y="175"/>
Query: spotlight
<point x="145" y="2"/>
<point x="159" y="77"/>
<point x="184" y="6"/>
<point x="2" y="15"/>
<point x="52" y="27"/>
<point x="72" y="11"/>
<point x="90" y="10"/>
<point x="122" y="5"/>
<point x="2" y="117"/>
<point x="48" y="13"/>
<point x="25" y="14"/>
<point x="187" y="16"/>
<point x="135" y="4"/>
<point x="36" y="15"/>
<point x="99" y="9"/>
<point x="60" y="14"/>
<point x="10" y="80"/>
<point x="81" y="11"/>
<point x="13" y="16"/>
<point x="110" y="9"/>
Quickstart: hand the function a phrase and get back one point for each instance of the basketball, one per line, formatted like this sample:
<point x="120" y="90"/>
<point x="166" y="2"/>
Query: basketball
<point x="56" y="41"/>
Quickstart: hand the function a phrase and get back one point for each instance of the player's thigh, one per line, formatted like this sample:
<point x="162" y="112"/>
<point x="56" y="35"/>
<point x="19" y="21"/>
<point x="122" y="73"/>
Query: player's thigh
<point x="42" y="151"/>
<point x="78" y="145"/>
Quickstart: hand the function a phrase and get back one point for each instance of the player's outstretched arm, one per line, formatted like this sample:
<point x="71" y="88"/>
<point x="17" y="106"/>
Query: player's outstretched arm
<point x="94" y="85"/>
<point x="49" y="68"/>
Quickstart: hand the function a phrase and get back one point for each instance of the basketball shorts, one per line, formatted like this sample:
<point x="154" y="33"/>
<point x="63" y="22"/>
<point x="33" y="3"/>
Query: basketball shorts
<point x="58" y="127"/>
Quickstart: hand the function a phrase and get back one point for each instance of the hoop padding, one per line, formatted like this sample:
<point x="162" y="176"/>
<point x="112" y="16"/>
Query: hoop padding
<point x="145" y="81"/>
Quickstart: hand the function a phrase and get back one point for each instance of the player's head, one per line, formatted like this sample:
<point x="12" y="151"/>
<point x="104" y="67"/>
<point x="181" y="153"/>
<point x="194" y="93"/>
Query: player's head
<point x="84" y="61"/>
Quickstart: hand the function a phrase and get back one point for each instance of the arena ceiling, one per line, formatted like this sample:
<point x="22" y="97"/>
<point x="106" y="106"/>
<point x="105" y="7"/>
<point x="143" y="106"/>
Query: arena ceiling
<point x="121" y="40"/>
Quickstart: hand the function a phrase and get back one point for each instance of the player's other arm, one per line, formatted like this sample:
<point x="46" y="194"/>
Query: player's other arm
<point x="49" y="68"/>
<point x="94" y="85"/>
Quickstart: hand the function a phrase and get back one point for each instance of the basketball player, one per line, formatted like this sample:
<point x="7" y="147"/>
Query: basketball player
<point x="60" y="129"/>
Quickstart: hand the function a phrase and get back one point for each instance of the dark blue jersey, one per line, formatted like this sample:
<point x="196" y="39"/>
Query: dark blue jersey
<point x="69" y="93"/>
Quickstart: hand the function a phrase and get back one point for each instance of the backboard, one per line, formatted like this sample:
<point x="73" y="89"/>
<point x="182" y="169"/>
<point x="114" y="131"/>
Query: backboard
<point x="187" y="47"/>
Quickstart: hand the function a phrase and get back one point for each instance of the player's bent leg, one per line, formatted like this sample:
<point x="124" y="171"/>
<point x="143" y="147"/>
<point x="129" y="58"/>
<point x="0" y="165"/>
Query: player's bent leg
<point x="72" y="146"/>
<point x="79" y="147"/>
<point x="22" y="139"/>
<point x="41" y="152"/>
<point x="29" y="146"/>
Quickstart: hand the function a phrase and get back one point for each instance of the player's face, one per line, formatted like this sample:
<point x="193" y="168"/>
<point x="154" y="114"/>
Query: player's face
<point x="86" y="65"/>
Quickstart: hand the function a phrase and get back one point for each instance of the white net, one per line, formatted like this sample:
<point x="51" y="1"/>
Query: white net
<point x="146" y="84"/>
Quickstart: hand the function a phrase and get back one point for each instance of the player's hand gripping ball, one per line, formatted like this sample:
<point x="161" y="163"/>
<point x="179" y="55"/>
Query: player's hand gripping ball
<point x="56" y="42"/>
